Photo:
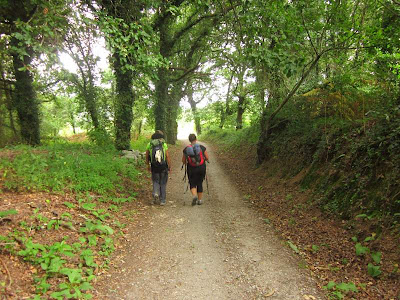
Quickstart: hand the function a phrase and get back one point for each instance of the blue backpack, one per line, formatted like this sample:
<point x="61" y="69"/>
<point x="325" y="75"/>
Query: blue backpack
<point x="194" y="155"/>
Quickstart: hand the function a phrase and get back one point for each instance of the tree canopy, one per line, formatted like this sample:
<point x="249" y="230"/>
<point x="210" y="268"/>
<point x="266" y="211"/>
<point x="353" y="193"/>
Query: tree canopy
<point x="251" y="58"/>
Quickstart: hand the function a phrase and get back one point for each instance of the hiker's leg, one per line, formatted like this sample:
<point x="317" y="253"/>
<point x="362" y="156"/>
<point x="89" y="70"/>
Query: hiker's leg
<point x="200" y="193"/>
<point x="194" y="195"/>
<point x="192" y="182"/>
<point x="163" y="186"/>
<point x="202" y="174"/>
<point x="193" y="191"/>
<point x="156" y="183"/>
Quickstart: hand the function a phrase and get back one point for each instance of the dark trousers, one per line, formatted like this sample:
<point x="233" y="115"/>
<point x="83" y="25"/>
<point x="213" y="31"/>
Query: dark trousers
<point x="160" y="180"/>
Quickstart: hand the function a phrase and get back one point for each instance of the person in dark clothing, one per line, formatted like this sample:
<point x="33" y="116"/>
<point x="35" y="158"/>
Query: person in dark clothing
<point x="159" y="163"/>
<point x="194" y="158"/>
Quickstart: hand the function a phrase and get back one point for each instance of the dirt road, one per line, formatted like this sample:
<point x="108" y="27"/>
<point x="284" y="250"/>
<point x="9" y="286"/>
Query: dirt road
<point x="219" y="250"/>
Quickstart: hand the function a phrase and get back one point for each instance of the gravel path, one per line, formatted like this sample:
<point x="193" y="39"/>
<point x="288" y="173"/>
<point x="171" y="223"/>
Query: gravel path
<point x="219" y="250"/>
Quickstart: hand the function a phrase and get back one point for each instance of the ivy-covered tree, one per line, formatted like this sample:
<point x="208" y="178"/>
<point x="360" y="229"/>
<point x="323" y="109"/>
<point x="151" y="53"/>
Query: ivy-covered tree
<point x="182" y="28"/>
<point x="32" y="28"/>
<point x="128" y="33"/>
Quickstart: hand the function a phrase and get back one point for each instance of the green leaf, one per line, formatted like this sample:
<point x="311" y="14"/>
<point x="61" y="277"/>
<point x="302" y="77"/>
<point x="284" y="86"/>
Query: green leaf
<point x="362" y="216"/>
<point x="373" y="270"/>
<point x="346" y="287"/>
<point x="330" y="285"/>
<point x="61" y="294"/>
<point x="92" y="240"/>
<point x="369" y="238"/>
<point x="69" y="205"/>
<point x="89" y="206"/>
<point x="74" y="275"/>
<point x="315" y="248"/>
<point x="376" y="256"/>
<point x="8" y="213"/>
<point x="338" y="295"/>
<point x="50" y="224"/>
<point x="360" y="249"/>
<point x="104" y="228"/>
<point x="294" y="247"/>
<point x="85" y="286"/>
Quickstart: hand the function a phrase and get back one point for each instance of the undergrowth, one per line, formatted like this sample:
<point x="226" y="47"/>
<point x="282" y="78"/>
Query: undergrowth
<point x="90" y="221"/>
<point x="353" y="167"/>
<point x="140" y="143"/>
<point x="61" y="167"/>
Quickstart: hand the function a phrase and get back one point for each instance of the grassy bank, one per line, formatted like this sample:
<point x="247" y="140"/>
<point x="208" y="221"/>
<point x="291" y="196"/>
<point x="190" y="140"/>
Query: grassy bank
<point x="63" y="212"/>
<point x="331" y="191"/>
<point x="352" y="168"/>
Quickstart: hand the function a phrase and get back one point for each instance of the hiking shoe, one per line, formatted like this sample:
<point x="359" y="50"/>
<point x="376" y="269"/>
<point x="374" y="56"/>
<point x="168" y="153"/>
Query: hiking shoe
<point x="156" y="199"/>
<point x="194" y="201"/>
<point x="199" y="202"/>
<point x="162" y="203"/>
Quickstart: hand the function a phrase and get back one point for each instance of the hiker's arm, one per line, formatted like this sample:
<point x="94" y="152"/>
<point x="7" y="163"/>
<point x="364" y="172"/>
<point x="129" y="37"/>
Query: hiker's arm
<point x="206" y="155"/>
<point x="168" y="161"/>
<point x="147" y="159"/>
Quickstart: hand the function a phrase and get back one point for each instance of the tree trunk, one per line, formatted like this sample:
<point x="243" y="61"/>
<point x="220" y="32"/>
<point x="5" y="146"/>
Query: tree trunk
<point x="124" y="104"/>
<point x="193" y="106"/>
<point x="161" y="96"/>
<point x="130" y="12"/>
<point x="227" y="110"/>
<point x="240" y="112"/>
<point x="140" y="127"/>
<point x="8" y="100"/>
<point x="89" y="94"/>
<point x="223" y="118"/>
<point x="172" y="113"/>
<point x="24" y="98"/>
<point x="90" y="101"/>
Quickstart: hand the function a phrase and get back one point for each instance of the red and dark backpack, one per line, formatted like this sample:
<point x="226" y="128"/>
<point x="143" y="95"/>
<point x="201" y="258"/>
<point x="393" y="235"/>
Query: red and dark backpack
<point x="194" y="155"/>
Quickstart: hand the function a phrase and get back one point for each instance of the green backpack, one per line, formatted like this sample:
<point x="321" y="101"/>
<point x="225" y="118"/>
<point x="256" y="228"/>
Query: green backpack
<point x="157" y="156"/>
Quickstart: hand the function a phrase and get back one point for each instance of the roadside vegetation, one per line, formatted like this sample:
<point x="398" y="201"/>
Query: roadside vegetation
<point x="330" y="186"/>
<point x="63" y="212"/>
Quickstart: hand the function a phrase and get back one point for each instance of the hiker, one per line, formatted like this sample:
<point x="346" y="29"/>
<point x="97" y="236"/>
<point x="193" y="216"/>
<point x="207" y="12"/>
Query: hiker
<point x="194" y="158"/>
<point x="159" y="163"/>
